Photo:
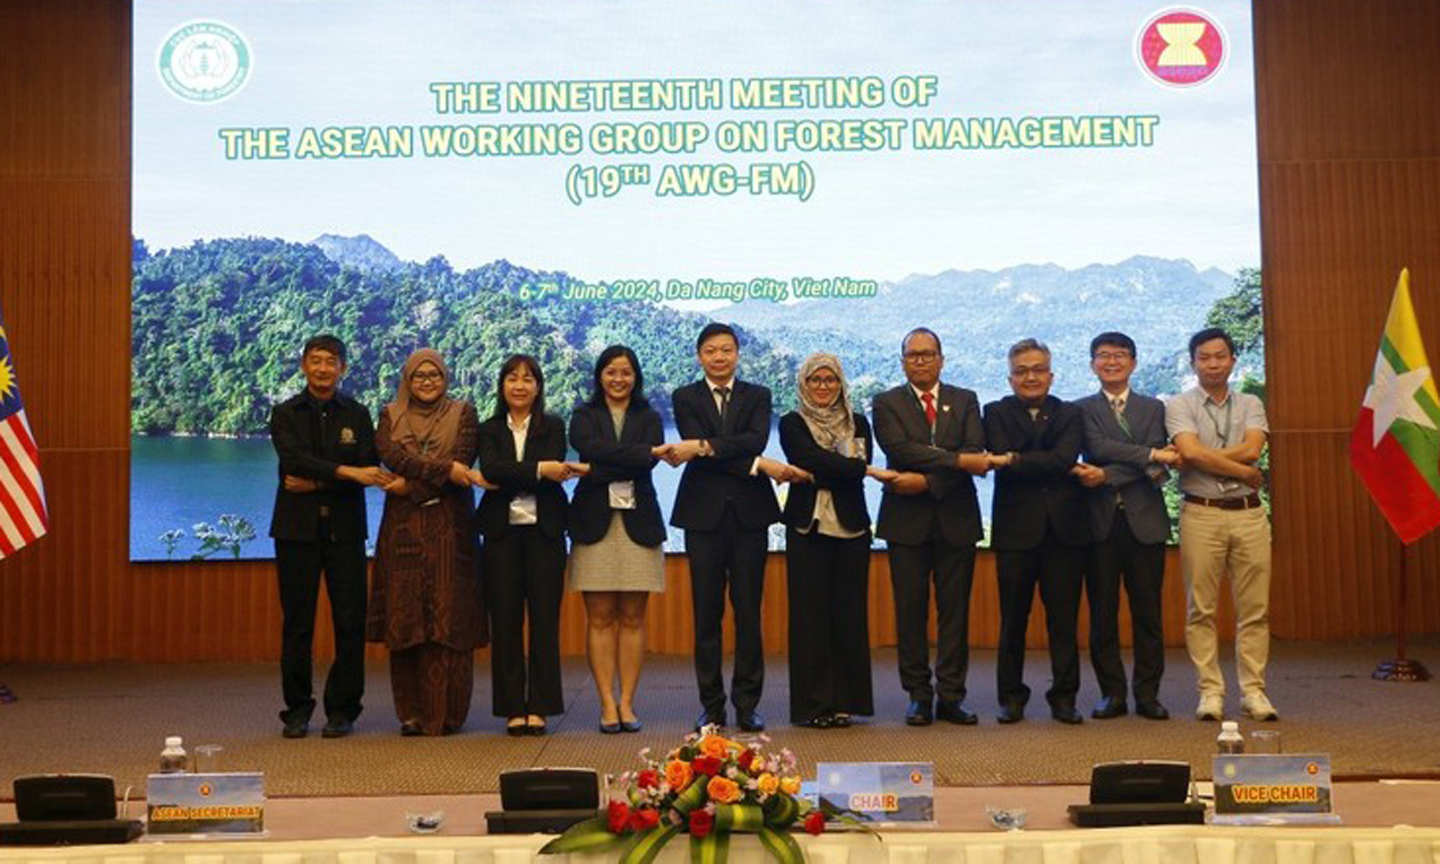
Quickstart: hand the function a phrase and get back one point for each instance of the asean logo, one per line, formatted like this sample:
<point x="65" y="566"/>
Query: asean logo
<point x="204" y="61"/>
<point x="1181" y="47"/>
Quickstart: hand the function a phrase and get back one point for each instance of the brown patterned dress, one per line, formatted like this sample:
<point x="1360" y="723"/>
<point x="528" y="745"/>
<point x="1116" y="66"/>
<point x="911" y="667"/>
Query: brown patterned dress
<point x="425" y="595"/>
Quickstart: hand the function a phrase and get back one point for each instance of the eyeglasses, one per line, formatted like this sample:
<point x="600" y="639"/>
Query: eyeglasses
<point x="1107" y="356"/>
<point x="420" y="377"/>
<point x="921" y="356"/>
<point x="1027" y="371"/>
<point x="824" y="381"/>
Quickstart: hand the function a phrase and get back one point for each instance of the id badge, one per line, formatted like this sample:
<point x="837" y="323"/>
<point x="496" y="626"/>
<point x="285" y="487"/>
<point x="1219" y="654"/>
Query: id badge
<point x="622" y="495"/>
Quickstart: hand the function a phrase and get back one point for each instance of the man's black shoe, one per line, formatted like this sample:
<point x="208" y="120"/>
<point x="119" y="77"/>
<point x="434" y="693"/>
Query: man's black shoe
<point x="951" y="711"/>
<point x="296" y="727"/>
<point x="750" y="721"/>
<point x="1065" y="712"/>
<point x="707" y="718"/>
<point x="337" y="727"/>
<point x="1011" y="712"/>
<point x="1108" y="707"/>
<point x="1151" y="709"/>
<point x="919" y="713"/>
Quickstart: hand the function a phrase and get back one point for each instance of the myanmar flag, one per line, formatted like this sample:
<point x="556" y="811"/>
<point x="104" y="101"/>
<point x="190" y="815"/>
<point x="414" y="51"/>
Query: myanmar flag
<point x="1395" y="445"/>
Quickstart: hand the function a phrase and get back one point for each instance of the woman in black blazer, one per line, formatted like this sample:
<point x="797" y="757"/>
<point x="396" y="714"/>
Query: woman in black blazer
<point x="615" y="523"/>
<point x="522" y="451"/>
<point x="827" y="549"/>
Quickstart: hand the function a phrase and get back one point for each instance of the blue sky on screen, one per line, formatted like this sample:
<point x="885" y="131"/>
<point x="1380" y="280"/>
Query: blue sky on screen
<point x="876" y="215"/>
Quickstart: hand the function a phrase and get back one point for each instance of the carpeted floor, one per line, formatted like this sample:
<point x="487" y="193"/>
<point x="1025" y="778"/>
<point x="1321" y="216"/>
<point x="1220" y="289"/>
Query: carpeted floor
<point x="112" y="719"/>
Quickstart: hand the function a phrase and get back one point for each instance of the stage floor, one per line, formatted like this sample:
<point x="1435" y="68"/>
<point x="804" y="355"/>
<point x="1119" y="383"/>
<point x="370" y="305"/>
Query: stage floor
<point x="112" y="719"/>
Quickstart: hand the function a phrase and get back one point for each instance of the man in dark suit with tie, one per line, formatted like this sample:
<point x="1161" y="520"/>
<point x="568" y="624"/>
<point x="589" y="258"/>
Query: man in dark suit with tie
<point x="1039" y="529"/>
<point x="1125" y="457"/>
<point x="326" y="447"/>
<point x="726" y="505"/>
<point x="930" y="520"/>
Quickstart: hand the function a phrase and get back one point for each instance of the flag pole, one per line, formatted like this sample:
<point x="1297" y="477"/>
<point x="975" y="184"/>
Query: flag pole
<point x="1401" y="668"/>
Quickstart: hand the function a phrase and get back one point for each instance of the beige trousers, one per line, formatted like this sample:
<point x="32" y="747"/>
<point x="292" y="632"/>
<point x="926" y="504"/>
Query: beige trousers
<point x="1212" y="543"/>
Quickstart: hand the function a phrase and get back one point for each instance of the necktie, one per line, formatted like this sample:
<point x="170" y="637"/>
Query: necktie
<point x="929" y="400"/>
<point x="724" y="401"/>
<point x="1119" y="406"/>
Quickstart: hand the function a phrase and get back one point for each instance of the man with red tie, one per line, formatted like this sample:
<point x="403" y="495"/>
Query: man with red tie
<point x="930" y="519"/>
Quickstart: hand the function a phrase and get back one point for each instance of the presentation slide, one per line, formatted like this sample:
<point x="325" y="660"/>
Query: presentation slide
<point x="551" y="178"/>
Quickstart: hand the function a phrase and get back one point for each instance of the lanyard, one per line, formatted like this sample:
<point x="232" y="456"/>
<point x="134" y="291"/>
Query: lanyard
<point x="1222" y="434"/>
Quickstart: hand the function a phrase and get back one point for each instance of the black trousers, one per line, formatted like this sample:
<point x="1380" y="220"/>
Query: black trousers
<point x="732" y="556"/>
<point x="299" y="566"/>
<point x="1058" y="569"/>
<point x="954" y="571"/>
<point x="1142" y="566"/>
<point x="828" y="580"/>
<point x="524" y="573"/>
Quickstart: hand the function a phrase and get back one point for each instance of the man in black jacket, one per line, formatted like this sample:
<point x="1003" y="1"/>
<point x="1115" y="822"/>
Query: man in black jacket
<point x="326" y="445"/>
<point x="930" y="519"/>
<point x="726" y="505"/>
<point x="1039" y="528"/>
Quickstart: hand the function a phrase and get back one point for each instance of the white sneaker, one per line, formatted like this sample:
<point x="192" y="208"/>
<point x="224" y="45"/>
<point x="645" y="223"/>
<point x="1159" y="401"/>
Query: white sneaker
<point x="1211" y="707"/>
<point x="1257" y="707"/>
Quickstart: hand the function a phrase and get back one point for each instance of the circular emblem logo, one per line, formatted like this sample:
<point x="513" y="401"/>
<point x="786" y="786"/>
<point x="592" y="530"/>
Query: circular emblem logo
<point x="205" y="790"/>
<point x="1181" y="47"/>
<point x="204" y="61"/>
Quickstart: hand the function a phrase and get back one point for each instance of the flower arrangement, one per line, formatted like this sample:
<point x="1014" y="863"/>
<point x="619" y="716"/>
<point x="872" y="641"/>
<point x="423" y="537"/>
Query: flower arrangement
<point x="709" y="787"/>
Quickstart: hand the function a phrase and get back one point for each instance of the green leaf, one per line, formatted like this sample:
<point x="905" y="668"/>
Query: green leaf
<point x="782" y="846"/>
<point x="781" y="811"/>
<point x="648" y="844"/>
<point x="692" y="797"/>
<point x="713" y="848"/>
<point x="592" y="835"/>
<point x="739" y="817"/>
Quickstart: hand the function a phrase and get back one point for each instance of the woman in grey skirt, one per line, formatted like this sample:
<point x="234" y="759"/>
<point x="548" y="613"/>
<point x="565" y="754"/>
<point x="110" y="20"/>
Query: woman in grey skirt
<point x="616" y="529"/>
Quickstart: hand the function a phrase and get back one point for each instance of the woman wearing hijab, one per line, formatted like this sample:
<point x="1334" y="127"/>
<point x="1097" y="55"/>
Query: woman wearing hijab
<point x="617" y="529"/>
<point x="424" y="596"/>
<point x="827" y="549"/>
<point x="522" y="449"/>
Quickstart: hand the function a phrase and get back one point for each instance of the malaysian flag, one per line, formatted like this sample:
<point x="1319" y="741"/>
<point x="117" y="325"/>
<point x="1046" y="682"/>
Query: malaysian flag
<point x="22" y="496"/>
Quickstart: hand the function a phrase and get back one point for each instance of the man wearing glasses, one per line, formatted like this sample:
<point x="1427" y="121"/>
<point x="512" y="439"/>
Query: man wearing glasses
<point x="1125" y="466"/>
<point x="1038" y="529"/>
<point x="930" y="519"/>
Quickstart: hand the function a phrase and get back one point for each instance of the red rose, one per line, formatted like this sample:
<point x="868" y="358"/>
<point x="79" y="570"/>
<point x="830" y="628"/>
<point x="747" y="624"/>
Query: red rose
<point x="747" y="756"/>
<point x="640" y="820"/>
<point x="815" y="822"/>
<point x="619" y="817"/>
<point x="648" y="779"/>
<point x="707" y="765"/>
<point x="701" y="822"/>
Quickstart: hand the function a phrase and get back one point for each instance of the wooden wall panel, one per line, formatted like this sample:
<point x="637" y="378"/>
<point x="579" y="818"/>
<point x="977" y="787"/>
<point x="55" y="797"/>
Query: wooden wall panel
<point x="1349" y="148"/>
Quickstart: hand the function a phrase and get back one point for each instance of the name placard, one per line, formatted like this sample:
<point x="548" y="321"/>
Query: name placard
<point x="1271" y="790"/>
<point x="879" y="793"/>
<point x="228" y="804"/>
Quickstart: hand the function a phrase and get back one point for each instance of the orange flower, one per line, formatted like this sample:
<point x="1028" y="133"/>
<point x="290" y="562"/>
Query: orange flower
<point x="767" y="783"/>
<point x="790" y="785"/>
<point x="723" y="790"/>
<point x="678" y="775"/>
<point x="714" y="745"/>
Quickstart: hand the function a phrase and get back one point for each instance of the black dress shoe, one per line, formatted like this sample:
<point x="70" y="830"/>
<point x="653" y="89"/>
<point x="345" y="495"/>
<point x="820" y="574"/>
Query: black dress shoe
<point x="1109" y="707"/>
<point x="410" y="730"/>
<point x="337" y="727"/>
<point x="919" y="713"/>
<point x="819" y="721"/>
<point x="297" y="727"/>
<point x="1151" y="709"/>
<point x="1011" y="712"/>
<point x="951" y="711"/>
<point x="750" y="721"/>
<point x="1065" y="713"/>
<point x="709" y="718"/>
<point x="840" y="720"/>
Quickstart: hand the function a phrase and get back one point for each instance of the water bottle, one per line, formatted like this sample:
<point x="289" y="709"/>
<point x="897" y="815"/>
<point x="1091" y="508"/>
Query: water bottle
<point x="1230" y="741"/>
<point x="173" y="759"/>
